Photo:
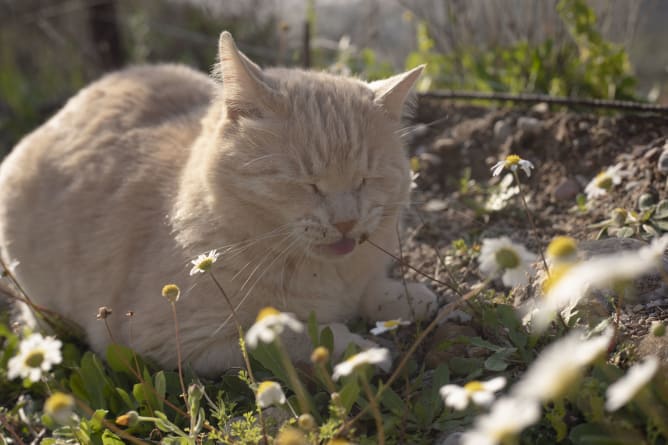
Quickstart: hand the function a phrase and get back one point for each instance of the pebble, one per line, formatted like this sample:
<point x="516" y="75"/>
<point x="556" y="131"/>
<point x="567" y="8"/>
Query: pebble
<point x="529" y="125"/>
<point x="502" y="130"/>
<point x="566" y="190"/>
<point x="663" y="162"/>
<point x="435" y="205"/>
<point x="637" y="308"/>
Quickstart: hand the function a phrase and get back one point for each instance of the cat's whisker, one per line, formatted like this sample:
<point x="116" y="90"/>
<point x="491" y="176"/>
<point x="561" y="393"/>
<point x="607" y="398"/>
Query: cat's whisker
<point x="263" y="260"/>
<point x="260" y="158"/>
<point x="241" y="302"/>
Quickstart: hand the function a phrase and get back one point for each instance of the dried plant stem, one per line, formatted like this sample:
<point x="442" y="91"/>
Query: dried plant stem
<point x="409" y="299"/>
<point x="5" y="423"/>
<point x="242" y="345"/>
<point x="373" y="403"/>
<point x="400" y="260"/>
<point x="178" y="351"/>
<point x="447" y="310"/>
<point x="530" y="218"/>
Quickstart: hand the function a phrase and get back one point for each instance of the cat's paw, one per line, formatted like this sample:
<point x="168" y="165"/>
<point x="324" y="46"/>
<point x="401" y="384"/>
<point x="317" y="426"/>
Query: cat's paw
<point x="389" y="300"/>
<point x="343" y="337"/>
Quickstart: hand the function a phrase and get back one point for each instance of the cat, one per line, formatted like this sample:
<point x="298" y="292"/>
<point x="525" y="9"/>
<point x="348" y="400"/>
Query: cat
<point x="284" y="171"/>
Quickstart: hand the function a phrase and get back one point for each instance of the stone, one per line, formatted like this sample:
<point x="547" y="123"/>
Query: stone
<point x="566" y="190"/>
<point x="435" y="205"/>
<point x="653" y="345"/>
<point x="663" y="162"/>
<point x="436" y="354"/>
<point x="529" y="125"/>
<point x="502" y="130"/>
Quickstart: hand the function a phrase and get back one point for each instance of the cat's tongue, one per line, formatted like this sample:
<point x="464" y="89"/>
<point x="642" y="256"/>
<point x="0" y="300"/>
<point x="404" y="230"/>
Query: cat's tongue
<point x="342" y="247"/>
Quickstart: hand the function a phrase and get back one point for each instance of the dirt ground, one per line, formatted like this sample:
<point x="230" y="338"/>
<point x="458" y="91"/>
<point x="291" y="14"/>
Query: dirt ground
<point x="567" y="147"/>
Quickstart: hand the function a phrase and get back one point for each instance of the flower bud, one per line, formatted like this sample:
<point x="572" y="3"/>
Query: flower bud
<point x="320" y="355"/>
<point x="306" y="422"/>
<point x="129" y="419"/>
<point x="171" y="292"/>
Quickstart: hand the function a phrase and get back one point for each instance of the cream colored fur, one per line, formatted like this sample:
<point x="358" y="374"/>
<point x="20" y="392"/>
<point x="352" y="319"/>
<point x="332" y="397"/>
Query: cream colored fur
<point x="148" y="167"/>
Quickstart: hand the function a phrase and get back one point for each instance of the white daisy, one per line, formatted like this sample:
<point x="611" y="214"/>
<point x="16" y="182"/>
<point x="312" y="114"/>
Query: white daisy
<point x="60" y="407"/>
<point x="389" y="325"/>
<point x="512" y="162"/>
<point x="505" y="421"/>
<point x="373" y="356"/>
<point x="271" y="322"/>
<point x="481" y="393"/>
<point x="624" y="389"/>
<point x="562" y="249"/>
<point x="204" y="262"/>
<point x="560" y="365"/>
<point x="599" y="272"/>
<point x="36" y="355"/>
<point x="603" y="182"/>
<point x="500" y="256"/>
<point x="269" y="393"/>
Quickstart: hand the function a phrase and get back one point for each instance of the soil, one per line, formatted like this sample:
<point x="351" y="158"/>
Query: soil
<point x="457" y="144"/>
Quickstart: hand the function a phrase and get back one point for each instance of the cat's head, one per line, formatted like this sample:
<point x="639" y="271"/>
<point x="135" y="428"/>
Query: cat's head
<point x="320" y="155"/>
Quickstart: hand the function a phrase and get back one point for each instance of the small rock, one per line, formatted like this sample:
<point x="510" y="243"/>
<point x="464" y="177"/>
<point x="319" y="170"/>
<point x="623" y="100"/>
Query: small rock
<point x="435" y="205"/>
<point x="448" y="438"/>
<point x="430" y="158"/>
<point x="502" y="130"/>
<point x="436" y="354"/>
<point x="653" y="345"/>
<point x="541" y="107"/>
<point x="637" y="308"/>
<point x="651" y="153"/>
<point x="663" y="162"/>
<point x="529" y="125"/>
<point x="444" y="144"/>
<point x="566" y="190"/>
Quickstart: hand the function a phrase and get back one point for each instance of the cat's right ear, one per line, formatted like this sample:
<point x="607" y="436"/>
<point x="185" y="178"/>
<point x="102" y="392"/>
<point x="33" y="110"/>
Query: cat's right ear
<point x="245" y="91"/>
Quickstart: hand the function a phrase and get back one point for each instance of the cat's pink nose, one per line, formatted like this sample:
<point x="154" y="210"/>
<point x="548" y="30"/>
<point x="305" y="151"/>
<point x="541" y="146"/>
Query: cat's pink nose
<point x="345" y="226"/>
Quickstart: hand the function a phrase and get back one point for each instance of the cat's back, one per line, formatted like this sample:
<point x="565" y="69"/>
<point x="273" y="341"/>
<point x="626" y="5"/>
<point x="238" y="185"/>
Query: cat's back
<point x="107" y="160"/>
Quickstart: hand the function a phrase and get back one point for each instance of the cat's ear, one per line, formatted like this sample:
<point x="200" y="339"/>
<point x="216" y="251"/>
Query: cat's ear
<point x="391" y="94"/>
<point x="245" y="90"/>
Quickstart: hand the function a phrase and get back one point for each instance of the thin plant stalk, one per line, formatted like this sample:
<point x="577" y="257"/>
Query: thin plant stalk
<point x="401" y="261"/>
<point x="178" y="351"/>
<point x="373" y="403"/>
<point x="447" y="310"/>
<point x="242" y="345"/>
<point x="530" y="218"/>
<point x="304" y="404"/>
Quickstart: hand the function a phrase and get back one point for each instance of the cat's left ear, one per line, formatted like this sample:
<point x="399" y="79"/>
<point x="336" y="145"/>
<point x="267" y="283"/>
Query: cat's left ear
<point x="391" y="94"/>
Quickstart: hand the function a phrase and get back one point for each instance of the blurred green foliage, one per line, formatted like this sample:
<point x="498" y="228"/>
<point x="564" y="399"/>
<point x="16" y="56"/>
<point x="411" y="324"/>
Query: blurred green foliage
<point x="585" y="66"/>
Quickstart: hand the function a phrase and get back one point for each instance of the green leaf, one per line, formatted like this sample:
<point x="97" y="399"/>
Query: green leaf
<point x="312" y="327"/>
<point x="497" y="361"/>
<point x="125" y="397"/>
<point x="601" y="434"/>
<point x="624" y="232"/>
<point x="466" y="366"/>
<point x="478" y="341"/>
<point x="392" y="401"/>
<point x="350" y="393"/>
<point x="661" y="211"/>
<point x="160" y="386"/>
<point x="268" y="356"/>
<point x="327" y="338"/>
<point x="96" y="420"/>
<point x="122" y="359"/>
<point x="662" y="225"/>
<point x="109" y="438"/>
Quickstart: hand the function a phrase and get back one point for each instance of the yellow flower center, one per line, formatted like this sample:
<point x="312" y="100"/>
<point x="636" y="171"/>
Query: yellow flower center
<point x="205" y="264"/>
<point x="264" y="386"/>
<point x="415" y="164"/>
<point x="35" y="359"/>
<point x="291" y="436"/>
<point x="473" y="386"/>
<point x="320" y="355"/>
<point x="391" y="324"/>
<point x="557" y="272"/>
<point x="171" y="292"/>
<point x="58" y="402"/>
<point x="562" y="247"/>
<point x="507" y="258"/>
<point x="603" y="181"/>
<point x="266" y="312"/>
<point x="619" y="216"/>
<point x="512" y="160"/>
